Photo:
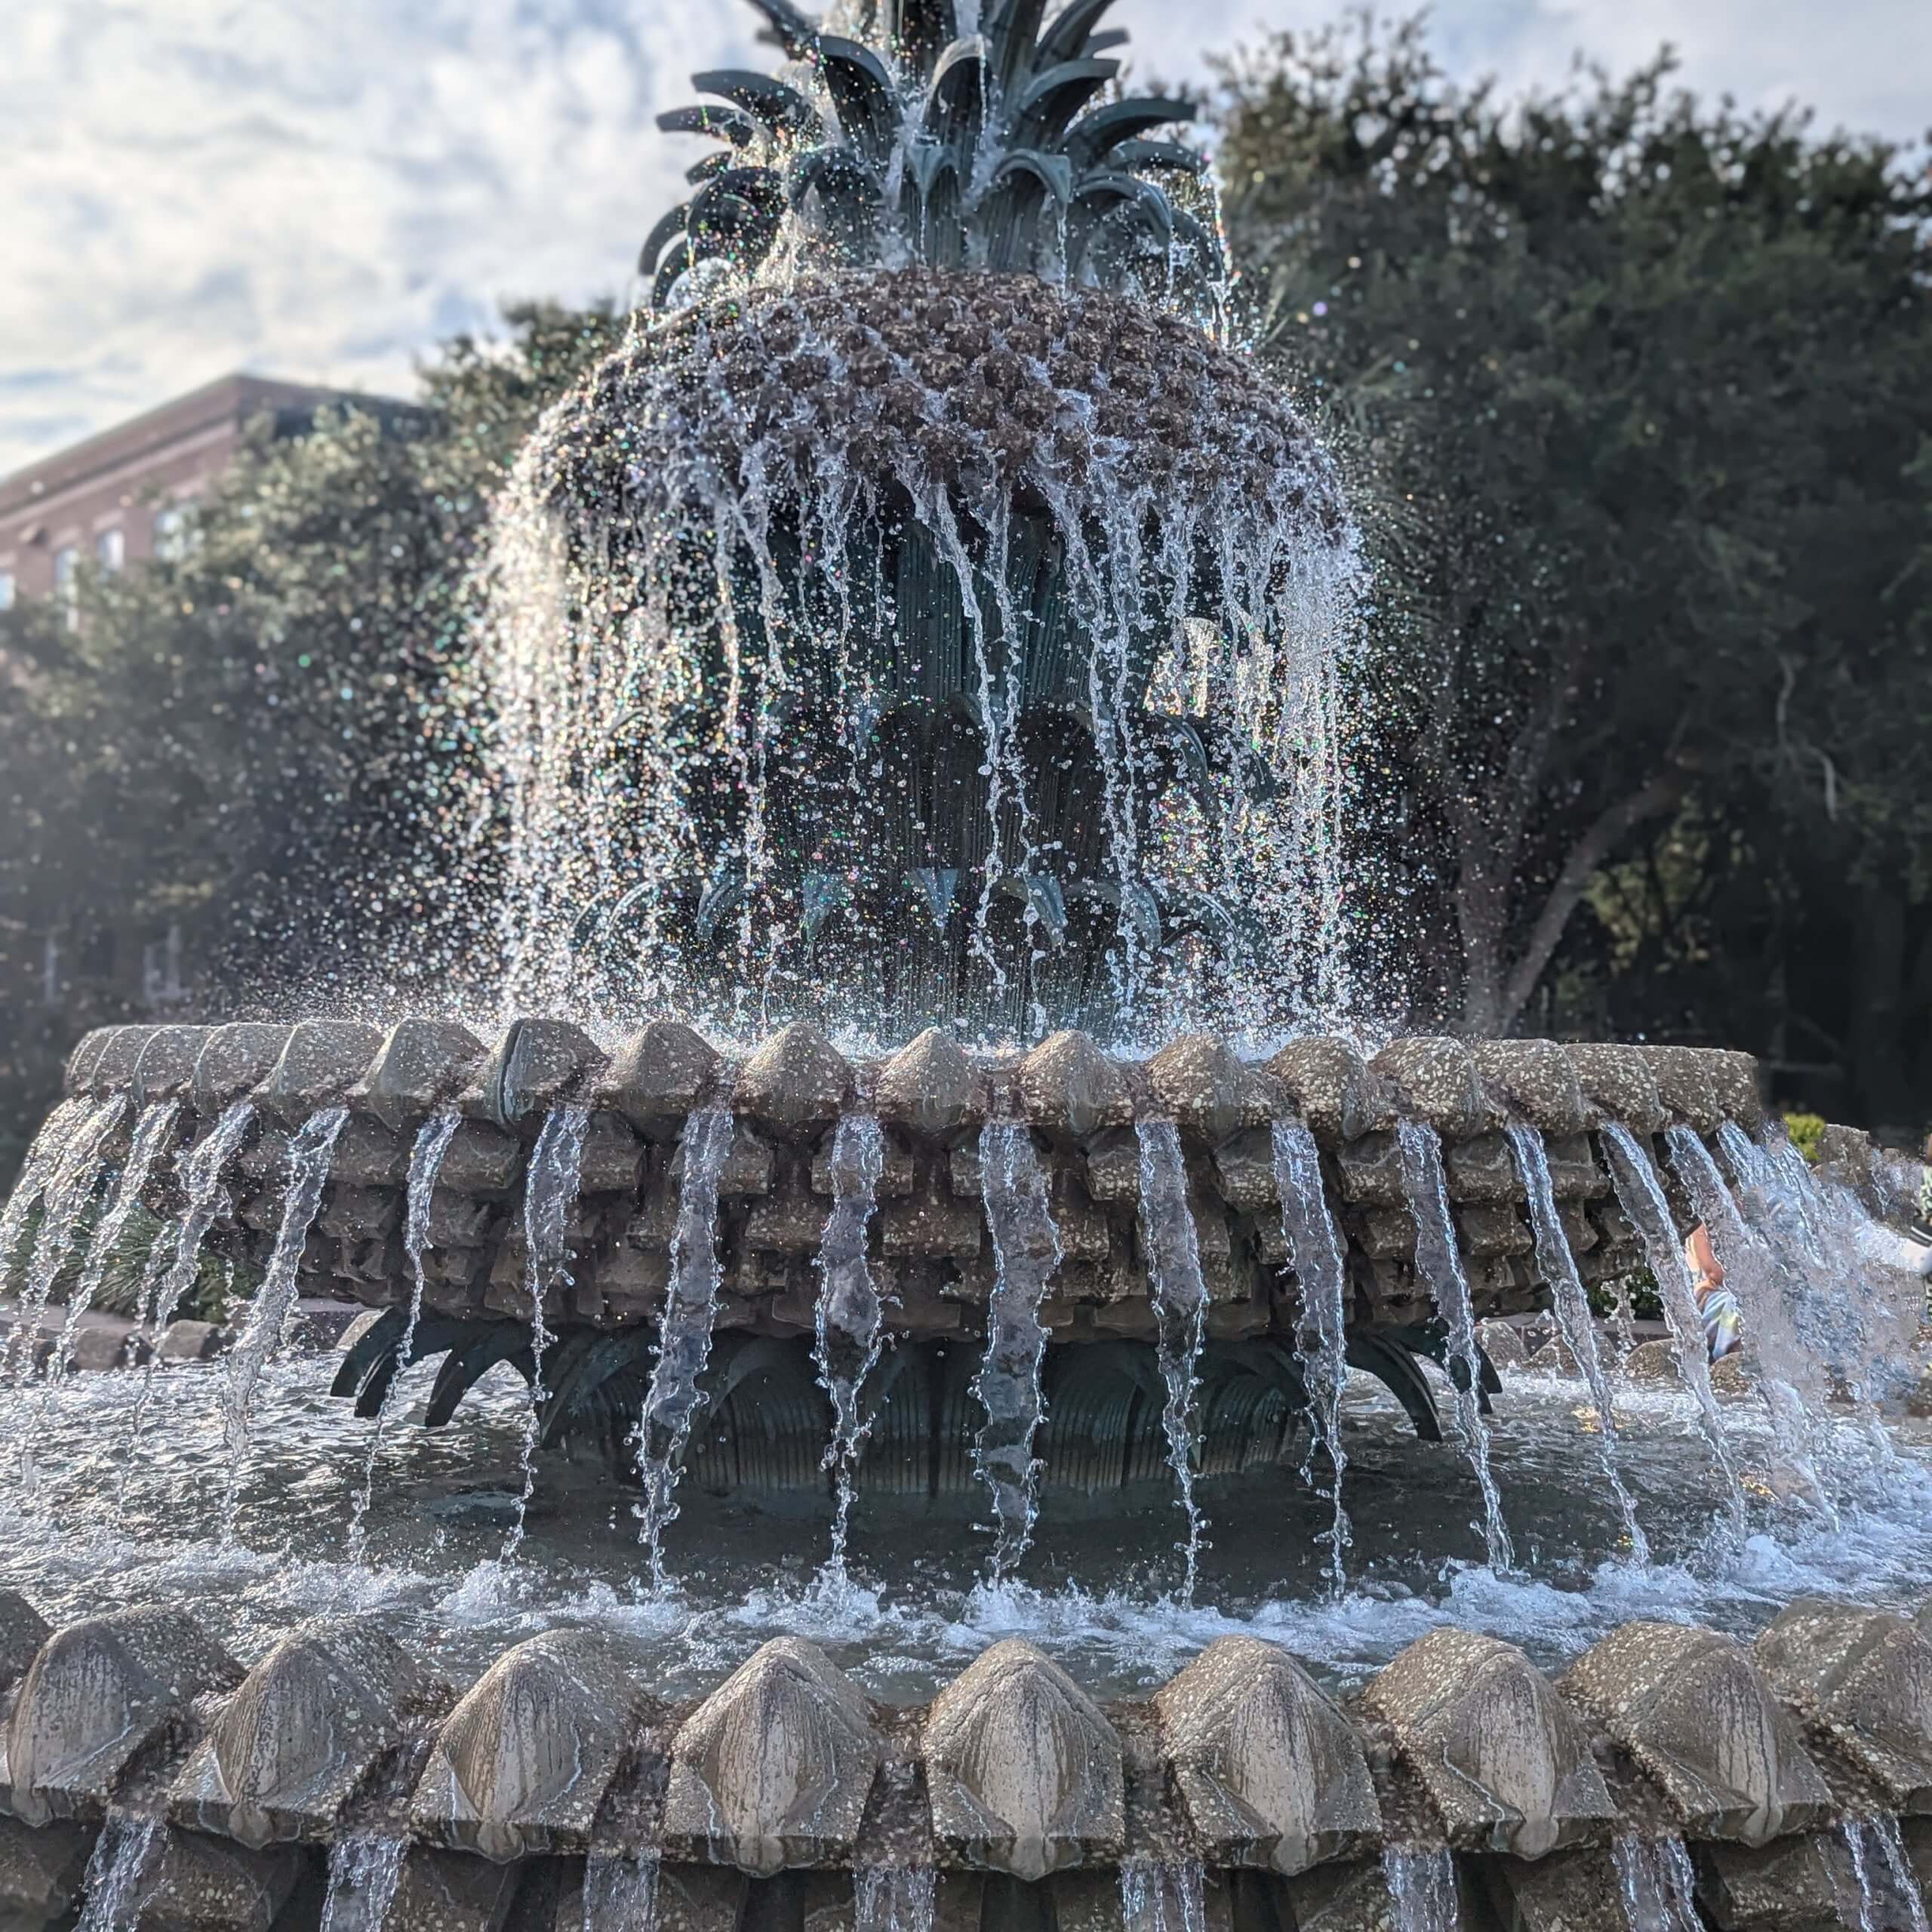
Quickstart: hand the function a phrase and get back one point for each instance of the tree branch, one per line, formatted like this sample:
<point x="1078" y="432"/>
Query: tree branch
<point x="1605" y="833"/>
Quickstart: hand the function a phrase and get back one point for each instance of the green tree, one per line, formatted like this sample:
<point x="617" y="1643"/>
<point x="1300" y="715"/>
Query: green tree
<point x="1633" y="386"/>
<point x="262" y="739"/>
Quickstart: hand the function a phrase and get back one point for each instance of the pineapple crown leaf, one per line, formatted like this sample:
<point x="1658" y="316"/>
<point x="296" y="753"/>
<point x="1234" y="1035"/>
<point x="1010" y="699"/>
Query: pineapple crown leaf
<point x="916" y="144"/>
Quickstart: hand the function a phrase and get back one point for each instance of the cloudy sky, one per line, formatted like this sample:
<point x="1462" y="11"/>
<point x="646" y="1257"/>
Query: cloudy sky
<point x="319" y="188"/>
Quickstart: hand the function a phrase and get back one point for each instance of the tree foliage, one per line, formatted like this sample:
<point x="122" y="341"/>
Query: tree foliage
<point x="1636" y="395"/>
<point x="259" y="740"/>
<point x="1637" y="390"/>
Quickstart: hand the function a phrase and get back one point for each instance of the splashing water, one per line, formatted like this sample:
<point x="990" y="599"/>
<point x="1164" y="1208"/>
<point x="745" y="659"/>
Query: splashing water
<point x="1027" y="1256"/>
<point x="621" y="1892"/>
<point x="1314" y="1253"/>
<point x="1558" y="1266"/>
<point x="1179" y="1296"/>
<point x="310" y="1154"/>
<point x="1658" y="1884"/>
<point x="1790" y="1380"/>
<point x="684" y="1339"/>
<point x="365" y="1870"/>
<point x="203" y="1171"/>
<point x="1439" y="1263"/>
<point x="1640" y="1194"/>
<point x="850" y="1331"/>
<point x="68" y="1189"/>
<point x="894" y="1898"/>
<point x="120" y="1871"/>
<point x="426" y="1164"/>
<point x="549" y="1193"/>
<point x="1885" y="1828"/>
<point x="1422" y="1885"/>
<point x="1164" y="1895"/>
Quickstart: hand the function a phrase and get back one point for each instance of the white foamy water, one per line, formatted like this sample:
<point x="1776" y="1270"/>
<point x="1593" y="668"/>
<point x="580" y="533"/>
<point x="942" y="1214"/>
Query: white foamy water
<point x="1098" y="1590"/>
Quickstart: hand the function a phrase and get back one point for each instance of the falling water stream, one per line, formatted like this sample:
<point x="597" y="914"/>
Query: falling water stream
<point x="1027" y="1256"/>
<point x="310" y="1154"/>
<point x="1658" y="1884"/>
<point x="621" y="1892"/>
<point x="426" y="1164"/>
<point x="1885" y="1828"/>
<point x="1422" y="1885"/>
<point x="684" y="1340"/>
<point x="894" y="1898"/>
<point x="1640" y="1195"/>
<point x="1180" y="1296"/>
<point x="549" y="1193"/>
<point x="850" y="1329"/>
<point x="365" y="1869"/>
<point x="1439" y="1263"/>
<point x="1163" y="1895"/>
<point x="1558" y="1266"/>
<point x="119" y="1871"/>
<point x="1851" y="1834"/>
<point x="1314" y="1253"/>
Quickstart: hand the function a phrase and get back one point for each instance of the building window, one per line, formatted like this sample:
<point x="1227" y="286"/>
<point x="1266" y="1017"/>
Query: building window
<point x="66" y="580"/>
<point x="6" y="590"/>
<point x="110" y="547"/>
<point x="170" y="533"/>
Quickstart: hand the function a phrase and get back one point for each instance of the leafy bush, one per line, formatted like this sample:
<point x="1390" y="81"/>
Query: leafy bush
<point x="1807" y="1131"/>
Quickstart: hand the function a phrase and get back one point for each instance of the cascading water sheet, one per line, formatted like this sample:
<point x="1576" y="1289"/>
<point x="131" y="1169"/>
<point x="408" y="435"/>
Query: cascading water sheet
<point x="43" y="1156"/>
<point x="621" y="1892"/>
<point x="152" y="1133"/>
<point x="120" y="1870"/>
<point x="68" y="1193"/>
<point x="1163" y="1895"/>
<point x="1657" y="1884"/>
<point x="1422" y="1885"/>
<point x="894" y="1898"/>
<point x="365" y="1870"/>
<point x="1792" y="1382"/>
<point x="1846" y="1305"/>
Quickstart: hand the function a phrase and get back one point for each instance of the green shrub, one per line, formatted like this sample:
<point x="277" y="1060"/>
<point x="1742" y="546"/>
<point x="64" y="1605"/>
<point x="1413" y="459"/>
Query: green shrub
<point x="1806" y="1130"/>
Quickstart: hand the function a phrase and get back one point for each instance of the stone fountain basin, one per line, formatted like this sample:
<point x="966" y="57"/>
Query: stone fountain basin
<point x="1035" y="1804"/>
<point x="932" y="1248"/>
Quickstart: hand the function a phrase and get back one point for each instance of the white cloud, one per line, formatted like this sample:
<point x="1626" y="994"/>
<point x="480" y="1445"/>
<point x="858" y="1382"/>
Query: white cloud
<point x="320" y="188"/>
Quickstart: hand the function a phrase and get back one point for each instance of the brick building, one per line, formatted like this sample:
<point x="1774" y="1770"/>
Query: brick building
<point x="119" y="495"/>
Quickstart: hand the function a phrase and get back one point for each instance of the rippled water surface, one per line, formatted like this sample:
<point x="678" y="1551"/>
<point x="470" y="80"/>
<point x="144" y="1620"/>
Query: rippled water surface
<point x="1096" y="1589"/>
